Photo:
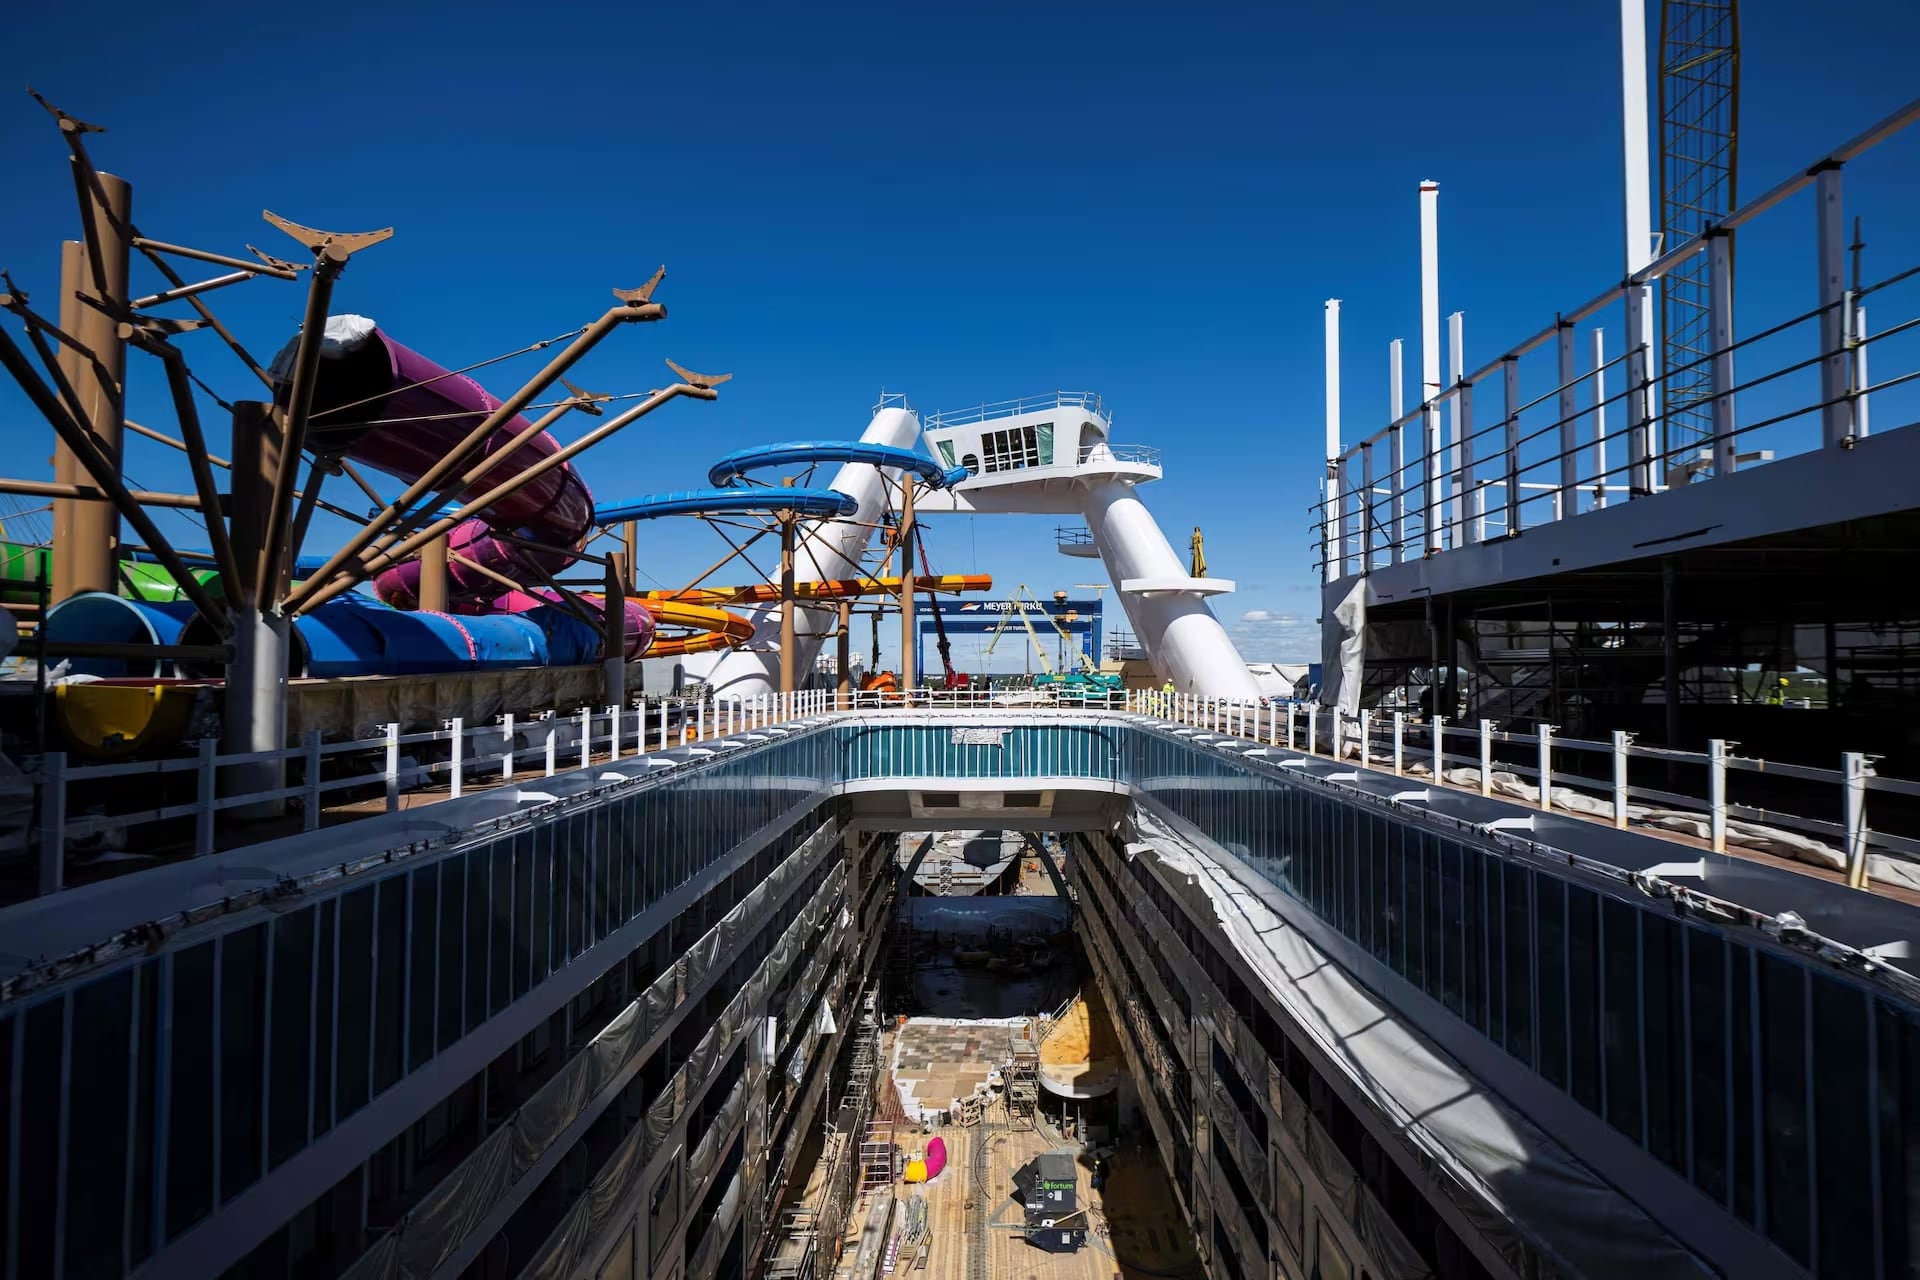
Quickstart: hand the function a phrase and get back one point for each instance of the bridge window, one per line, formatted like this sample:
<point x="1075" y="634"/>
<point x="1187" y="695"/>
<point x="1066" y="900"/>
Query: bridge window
<point x="1012" y="449"/>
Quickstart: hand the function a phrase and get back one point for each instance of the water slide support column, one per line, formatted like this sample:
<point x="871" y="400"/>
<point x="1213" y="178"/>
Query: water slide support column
<point x="433" y="576"/>
<point x="906" y="589"/>
<point x="843" y="657"/>
<point x="254" y="710"/>
<point x="94" y="527"/>
<point x="787" y="637"/>
<point x="66" y="468"/>
<point x="613" y="654"/>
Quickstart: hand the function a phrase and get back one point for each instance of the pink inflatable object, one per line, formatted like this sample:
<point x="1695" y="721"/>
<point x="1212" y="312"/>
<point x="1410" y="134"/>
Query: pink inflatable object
<point x="936" y="1157"/>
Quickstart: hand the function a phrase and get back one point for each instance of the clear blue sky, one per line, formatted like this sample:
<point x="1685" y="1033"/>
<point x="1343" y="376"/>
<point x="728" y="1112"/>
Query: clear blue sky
<point x="963" y="203"/>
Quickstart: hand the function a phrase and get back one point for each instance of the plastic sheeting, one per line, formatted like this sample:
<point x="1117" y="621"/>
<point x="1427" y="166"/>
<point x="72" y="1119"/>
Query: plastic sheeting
<point x="1343" y="649"/>
<point x="436" y="1227"/>
<point x="1480" y="1153"/>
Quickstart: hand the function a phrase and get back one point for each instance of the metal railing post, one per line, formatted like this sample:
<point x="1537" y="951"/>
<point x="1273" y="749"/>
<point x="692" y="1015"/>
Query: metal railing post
<point x="393" y="766"/>
<point x="553" y="744"/>
<point x="1510" y="383"/>
<point x="586" y="736"/>
<point x="206" y="776"/>
<point x="1717" y="794"/>
<point x="686" y="723"/>
<point x="1366" y="738"/>
<point x="1439" y="748"/>
<point x="663" y="724"/>
<point x="1836" y="412"/>
<point x="1399" y="743"/>
<point x="1334" y="726"/>
<point x="701" y="711"/>
<point x="1546" y="766"/>
<point x="1486" y="757"/>
<point x="507" y="745"/>
<point x="458" y="727"/>
<point x="1569" y="491"/>
<point x="1621" y="741"/>
<point x="1856" y="770"/>
<point x="53" y="821"/>
<point x="1720" y="366"/>
<point x="310" y="818"/>
<point x="1639" y="392"/>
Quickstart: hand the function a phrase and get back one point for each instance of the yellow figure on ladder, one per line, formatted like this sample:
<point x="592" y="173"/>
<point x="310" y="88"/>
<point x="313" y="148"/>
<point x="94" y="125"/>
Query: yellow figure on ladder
<point x="1199" y="554"/>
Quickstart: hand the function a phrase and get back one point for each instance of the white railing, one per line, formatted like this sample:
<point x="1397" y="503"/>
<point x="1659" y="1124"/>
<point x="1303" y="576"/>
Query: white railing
<point x="1088" y="400"/>
<point x="389" y="765"/>
<point x="1136" y="454"/>
<point x="1598" y="423"/>
<point x="1380" y="740"/>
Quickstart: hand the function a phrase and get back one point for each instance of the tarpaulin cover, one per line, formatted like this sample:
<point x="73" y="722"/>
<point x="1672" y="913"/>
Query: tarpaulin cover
<point x="1471" y="1140"/>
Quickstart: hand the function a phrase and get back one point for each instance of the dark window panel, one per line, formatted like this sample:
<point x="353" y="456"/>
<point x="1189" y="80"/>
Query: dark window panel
<point x="1707" y="983"/>
<point x="1897" y="1115"/>
<point x="1783" y="1082"/>
<point x="1842" y="1126"/>
<point x="243" y="989"/>
<point x="1518" y="882"/>
<point x="1583" y="996"/>
<point x="290" y="1019"/>
<point x="354" y="1036"/>
<point x="1746" y="1068"/>
<point x="477" y="933"/>
<point x="326" y="1004"/>
<point x="190" y="1089"/>
<point x="97" y="1127"/>
<point x="41" y="1098"/>
<point x="452" y="950"/>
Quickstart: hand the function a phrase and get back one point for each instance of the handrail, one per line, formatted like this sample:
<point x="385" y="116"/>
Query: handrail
<point x="1088" y="400"/>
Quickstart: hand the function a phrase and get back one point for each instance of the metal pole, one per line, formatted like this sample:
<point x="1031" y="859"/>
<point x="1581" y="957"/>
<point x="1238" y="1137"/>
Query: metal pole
<point x="1720" y="371"/>
<point x="1857" y="771"/>
<point x="1599" y="418"/>
<point x="1836" y="414"/>
<point x="1486" y="757"/>
<point x="508" y="745"/>
<point x="1439" y="748"/>
<point x="1621" y="740"/>
<point x="1399" y="743"/>
<point x="1430" y="361"/>
<point x="906" y="589"/>
<point x="101" y="381"/>
<point x="1546" y="765"/>
<point x="1569" y="504"/>
<point x="1395" y="408"/>
<point x="1335" y="517"/>
<point x="1468" y="493"/>
<point x="457" y="727"/>
<point x="1637" y="196"/>
<point x="1510" y="383"/>
<point x="1860" y="382"/>
<point x="1717" y="795"/>
<point x="1457" y="481"/>
<point x="613" y="650"/>
<point x="254" y="704"/>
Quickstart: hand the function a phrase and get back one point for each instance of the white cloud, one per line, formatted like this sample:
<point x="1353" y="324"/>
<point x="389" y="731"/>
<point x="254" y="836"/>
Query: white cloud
<point x="1256" y="615"/>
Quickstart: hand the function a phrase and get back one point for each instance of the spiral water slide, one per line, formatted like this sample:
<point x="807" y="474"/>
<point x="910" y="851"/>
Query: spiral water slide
<point x="385" y="406"/>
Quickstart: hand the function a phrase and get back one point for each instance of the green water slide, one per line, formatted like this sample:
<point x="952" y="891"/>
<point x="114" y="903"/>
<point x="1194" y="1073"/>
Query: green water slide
<point x="22" y="567"/>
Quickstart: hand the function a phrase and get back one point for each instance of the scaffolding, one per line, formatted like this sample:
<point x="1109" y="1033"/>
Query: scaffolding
<point x="878" y="1156"/>
<point x="1699" y="131"/>
<point x="1023" y="1091"/>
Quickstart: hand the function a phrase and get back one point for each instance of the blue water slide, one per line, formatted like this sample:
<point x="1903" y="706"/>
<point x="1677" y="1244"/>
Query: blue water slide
<point x="797" y="452"/>
<point x="101" y="617"/>
<point x="726" y="502"/>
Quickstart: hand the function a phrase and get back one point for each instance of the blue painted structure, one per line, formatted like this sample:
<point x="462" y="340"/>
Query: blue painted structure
<point x="824" y="503"/>
<point x="980" y="617"/>
<point x="798" y="452"/>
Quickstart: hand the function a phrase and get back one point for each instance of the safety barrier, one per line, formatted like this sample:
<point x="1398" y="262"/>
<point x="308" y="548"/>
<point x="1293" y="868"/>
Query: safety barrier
<point x="1380" y="740"/>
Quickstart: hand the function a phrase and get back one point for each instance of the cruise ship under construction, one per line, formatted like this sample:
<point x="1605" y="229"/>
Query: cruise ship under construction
<point x="366" y="917"/>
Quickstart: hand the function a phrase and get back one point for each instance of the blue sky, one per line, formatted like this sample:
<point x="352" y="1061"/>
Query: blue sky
<point x="963" y="203"/>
